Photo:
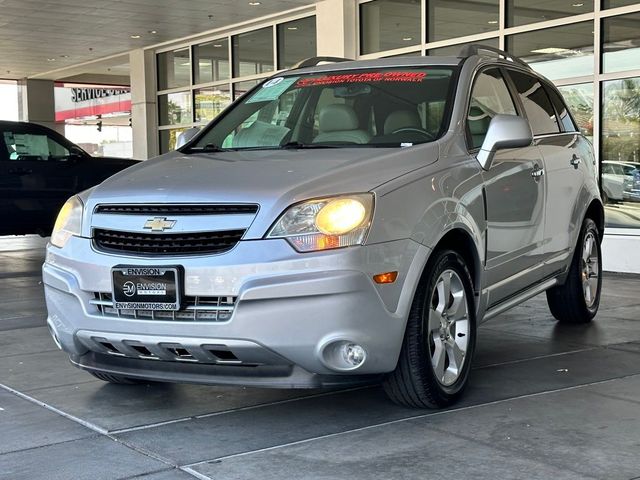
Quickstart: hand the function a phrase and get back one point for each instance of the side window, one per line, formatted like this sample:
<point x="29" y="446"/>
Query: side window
<point x="563" y="111"/>
<point x="536" y="103"/>
<point x="34" y="147"/>
<point x="489" y="97"/>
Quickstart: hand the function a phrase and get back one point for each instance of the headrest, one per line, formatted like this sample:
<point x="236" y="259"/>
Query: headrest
<point x="478" y="121"/>
<point x="402" y="119"/>
<point x="337" y="117"/>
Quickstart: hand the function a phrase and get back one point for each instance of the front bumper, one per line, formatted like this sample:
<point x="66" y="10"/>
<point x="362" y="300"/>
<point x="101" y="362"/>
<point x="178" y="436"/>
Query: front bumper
<point x="290" y="309"/>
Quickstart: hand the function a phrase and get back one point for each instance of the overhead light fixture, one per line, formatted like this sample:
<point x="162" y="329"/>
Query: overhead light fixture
<point x="492" y="22"/>
<point x="64" y="56"/>
<point x="135" y="36"/>
<point x="51" y="59"/>
<point x="552" y="50"/>
<point x="407" y="39"/>
<point x="292" y="28"/>
<point x="217" y="45"/>
<point x="577" y="5"/>
<point x="153" y="32"/>
<point x="254" y="4"/>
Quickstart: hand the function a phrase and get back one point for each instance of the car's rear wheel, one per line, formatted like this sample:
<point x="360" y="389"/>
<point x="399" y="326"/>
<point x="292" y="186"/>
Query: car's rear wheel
<point x="439" y="340"/>
<point x="117" y="379"/>
<point x="577" y="301"/>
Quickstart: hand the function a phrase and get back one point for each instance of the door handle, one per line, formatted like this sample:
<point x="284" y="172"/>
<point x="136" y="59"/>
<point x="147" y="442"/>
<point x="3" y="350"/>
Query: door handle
<point x="20" y="171"/>
<point x="575" y="161"/>
<point x="537" y="172"/>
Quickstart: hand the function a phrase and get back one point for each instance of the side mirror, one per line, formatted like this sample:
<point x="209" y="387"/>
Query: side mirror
<point x="187" y="135"/>
<point x="505" y="131"/>
<point x="76" y="154"/>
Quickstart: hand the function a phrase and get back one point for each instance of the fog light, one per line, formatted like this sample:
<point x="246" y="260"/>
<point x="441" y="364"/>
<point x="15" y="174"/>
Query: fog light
<point x="353" y="354"/>
<point x="343" y="355"/>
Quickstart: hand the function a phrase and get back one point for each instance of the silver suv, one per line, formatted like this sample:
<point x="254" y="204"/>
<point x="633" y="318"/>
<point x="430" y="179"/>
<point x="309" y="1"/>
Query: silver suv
<point x="341" y="223"/>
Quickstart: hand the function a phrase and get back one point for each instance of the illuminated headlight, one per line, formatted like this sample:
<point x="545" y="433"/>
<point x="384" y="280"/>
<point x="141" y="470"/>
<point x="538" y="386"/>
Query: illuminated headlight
<point x="68" y="223"/>
<point x="326" y="223"/>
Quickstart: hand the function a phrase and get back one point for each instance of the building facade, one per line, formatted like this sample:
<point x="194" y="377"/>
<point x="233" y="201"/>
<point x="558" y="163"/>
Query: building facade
<point x="589" y="48"/>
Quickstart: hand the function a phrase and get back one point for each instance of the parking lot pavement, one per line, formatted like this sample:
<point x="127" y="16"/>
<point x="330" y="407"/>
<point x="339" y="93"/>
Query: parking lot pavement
<point x="545" y="401"/>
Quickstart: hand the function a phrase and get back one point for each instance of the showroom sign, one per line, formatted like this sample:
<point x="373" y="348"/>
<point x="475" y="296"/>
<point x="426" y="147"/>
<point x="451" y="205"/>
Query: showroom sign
<point x="82" y="102"/>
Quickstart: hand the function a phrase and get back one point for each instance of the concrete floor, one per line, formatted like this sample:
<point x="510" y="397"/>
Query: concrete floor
<point x="545" y="401"/>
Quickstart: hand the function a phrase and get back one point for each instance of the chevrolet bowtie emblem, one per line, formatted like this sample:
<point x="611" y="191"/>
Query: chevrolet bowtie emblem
<point x="159" y="224"/>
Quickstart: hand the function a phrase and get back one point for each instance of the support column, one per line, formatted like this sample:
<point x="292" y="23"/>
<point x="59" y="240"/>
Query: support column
<point x="143" y="104"/>
<point x="336" y="28"/>
<point x="36" y="103"/>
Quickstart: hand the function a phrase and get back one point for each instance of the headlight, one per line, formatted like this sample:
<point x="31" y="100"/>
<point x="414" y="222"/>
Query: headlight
<point x="68" y="223"/>
<point x="326" y="223"/>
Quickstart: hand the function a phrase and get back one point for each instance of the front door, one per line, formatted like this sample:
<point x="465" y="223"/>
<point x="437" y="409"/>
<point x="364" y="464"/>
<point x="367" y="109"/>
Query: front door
<point x="514" y="195"/>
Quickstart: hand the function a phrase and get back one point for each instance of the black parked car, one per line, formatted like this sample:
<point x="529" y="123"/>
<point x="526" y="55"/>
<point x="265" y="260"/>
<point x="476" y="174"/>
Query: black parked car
<point x="39" y="171"/>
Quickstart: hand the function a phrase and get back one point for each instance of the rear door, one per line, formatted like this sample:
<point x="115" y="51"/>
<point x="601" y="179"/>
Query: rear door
<point x="38" y="174"/>
<point x="514" y="195"/>
<point x="566" y="156"/>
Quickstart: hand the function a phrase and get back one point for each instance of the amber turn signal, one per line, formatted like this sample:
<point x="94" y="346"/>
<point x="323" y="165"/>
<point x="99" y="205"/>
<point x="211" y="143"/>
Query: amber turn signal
<point x="387" y="277"/>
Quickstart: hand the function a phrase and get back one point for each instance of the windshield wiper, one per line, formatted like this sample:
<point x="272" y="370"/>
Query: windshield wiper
<point x="298" y="145"/>
<point x="209" y="147"/>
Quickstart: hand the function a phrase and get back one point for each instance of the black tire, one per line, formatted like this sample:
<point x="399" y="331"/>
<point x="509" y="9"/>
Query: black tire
<point x="568" y="302"/>
<point x="414" y="383"/>
<point x="117" y="379"/>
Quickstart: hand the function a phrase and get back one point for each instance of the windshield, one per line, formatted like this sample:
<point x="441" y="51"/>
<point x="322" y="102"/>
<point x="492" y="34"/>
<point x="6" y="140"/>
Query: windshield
<point x="389" y="107"/>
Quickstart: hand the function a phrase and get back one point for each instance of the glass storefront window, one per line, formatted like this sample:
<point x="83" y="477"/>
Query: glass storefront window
<point x="175" y="108"/>
<point x="389" y="24"/>
<point x="458" y="18"/>
<point x="617" y="3"/>
<point x="621" y="43"/>
<point x="209" y="102"/>
<point x="296" y="41"/>
<point x="521" y="12"/>
<point x="211" y="61"/>
<point x="174" y="69"/>
<point x="168" y="139"/>
<point x="253" y="52"/>
<point x="241" y="88"/>
<point x="454" y="50"/>
<point x="620" y="152"/>
<point x="559" y="52"/>
<point x="579" y="99"/>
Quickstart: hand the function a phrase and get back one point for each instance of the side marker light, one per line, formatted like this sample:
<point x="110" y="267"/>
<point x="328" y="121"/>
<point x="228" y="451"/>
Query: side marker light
<point x="387" y="277"/>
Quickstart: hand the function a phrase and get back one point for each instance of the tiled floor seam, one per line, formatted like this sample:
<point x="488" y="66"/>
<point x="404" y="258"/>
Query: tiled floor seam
<point x="198" y="475"/>
<point x="402" y="420"/>
<point x="18" y="354"/>
<point x="62" y="413"/>
<point x="521" y="360"/>
<point x="231" y="410"/>
<point x="38" y="447"/>
<point x="88" y="425"/>
<point x="542" y="339"/>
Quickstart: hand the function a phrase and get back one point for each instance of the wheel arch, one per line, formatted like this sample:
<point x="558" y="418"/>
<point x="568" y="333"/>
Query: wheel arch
<point x="595" y="211"/>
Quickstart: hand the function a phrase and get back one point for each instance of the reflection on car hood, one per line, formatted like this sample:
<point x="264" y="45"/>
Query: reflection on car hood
<point x="273" y="179"/>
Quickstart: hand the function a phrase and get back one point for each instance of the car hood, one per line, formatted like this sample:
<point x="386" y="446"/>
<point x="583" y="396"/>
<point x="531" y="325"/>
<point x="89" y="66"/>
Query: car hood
<point x="274" y="179"/>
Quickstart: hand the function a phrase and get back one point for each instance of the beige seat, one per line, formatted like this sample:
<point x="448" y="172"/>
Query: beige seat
<point x="402" y="119"/>
<point x="339" y="123"/>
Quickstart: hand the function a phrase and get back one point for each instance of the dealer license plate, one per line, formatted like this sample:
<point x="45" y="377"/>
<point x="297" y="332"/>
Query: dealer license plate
<point x="146" y="288"/>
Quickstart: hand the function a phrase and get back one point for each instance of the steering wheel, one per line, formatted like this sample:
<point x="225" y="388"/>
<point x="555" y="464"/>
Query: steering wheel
<point x="425" y="133"/>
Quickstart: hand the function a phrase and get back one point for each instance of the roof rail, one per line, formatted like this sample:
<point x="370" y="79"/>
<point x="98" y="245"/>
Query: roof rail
<point x="313" y="61"/>
<point x="476" y="48"/>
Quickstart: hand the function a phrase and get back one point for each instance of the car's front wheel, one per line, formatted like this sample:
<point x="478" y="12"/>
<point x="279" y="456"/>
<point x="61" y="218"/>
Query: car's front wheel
<point x="439" y="340"/>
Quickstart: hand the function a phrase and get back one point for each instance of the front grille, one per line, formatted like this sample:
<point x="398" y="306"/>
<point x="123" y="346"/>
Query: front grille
<point x="194" y="309"/>
<point x="166" y="243"/>
<point x="218" y="209"/>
